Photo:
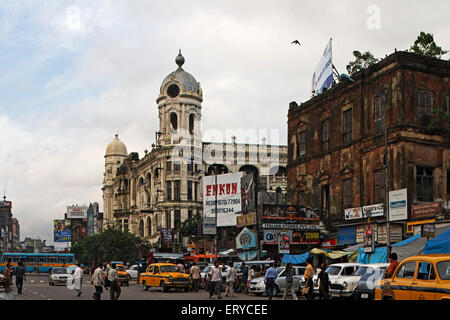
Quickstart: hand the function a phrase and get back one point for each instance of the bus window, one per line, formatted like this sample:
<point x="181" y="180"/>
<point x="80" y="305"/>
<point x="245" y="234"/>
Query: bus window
<point x="16" y="259"/>
<point x="42" y="259"/>
<point x="31" y="259"/>
<point x="52" y="259"/>
<point x="62" y="260"/>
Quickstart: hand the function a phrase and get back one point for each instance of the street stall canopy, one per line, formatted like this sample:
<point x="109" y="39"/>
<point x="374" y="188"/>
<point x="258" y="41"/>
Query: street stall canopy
<point x="336" y="254"/>
<point x="415" y="245"/>
<point x="379" y="256"/>
<point x="440" y="244"/>
<point x="295" y="258"/>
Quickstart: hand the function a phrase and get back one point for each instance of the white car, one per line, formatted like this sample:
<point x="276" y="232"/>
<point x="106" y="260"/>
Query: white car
<point x="133" y="271"/>
<point x="258" y="287"/>
<point x="58" y="275"/>
<point x="365" y="288"/>
<point x="343" y="279"/>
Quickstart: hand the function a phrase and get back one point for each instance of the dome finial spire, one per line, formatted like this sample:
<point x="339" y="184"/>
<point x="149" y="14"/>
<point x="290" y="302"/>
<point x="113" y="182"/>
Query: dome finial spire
<point x="179" y="60"/>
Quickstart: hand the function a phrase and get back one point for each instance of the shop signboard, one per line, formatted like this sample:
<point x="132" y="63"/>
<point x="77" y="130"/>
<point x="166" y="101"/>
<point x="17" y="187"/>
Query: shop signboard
<point x="426" y="210"/>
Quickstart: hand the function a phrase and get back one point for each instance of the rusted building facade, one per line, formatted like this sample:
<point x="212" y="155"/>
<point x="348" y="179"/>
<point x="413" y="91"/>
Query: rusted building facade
<point x="337" y="142"/>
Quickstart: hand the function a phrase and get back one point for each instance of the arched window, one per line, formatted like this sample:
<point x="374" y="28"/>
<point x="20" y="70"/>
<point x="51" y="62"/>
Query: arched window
<point x="173" y="121"/>
<point x="149" y="226"/>
<point x="217" y="168"/>
<point x="141" y="182"/>
<point x="249" y="169"/>
<point x="191" y="123"/>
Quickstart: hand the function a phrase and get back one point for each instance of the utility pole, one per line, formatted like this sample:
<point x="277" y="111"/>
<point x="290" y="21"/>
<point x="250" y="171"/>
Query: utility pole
<point x="215" y="217"/>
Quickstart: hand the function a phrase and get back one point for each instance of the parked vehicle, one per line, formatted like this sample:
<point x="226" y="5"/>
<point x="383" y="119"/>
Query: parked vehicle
<point x="165" y="276"/>
<point x="339" y="274"/>
<point x="58" y="275"/>
<point x="258" y="287"/>
<point x="423" y="277"/>
<point x="365" y="289"/>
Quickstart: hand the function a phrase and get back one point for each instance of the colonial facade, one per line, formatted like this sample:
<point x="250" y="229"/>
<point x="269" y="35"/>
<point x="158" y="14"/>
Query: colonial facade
<point x="337" y="144"/>
<point x="164" y="188"/>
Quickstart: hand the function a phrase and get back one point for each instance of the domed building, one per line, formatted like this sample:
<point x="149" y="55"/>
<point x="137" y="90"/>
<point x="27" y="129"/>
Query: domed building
<point x="163" y="188"/>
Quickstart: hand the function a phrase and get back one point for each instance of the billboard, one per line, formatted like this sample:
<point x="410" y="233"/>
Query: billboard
<point x="346" y="235"/>
<point x="398" y="205"/>
<point x="353" y="213"/>
<point x="166" y="235"/>
<point x="426" y="210"/>
<point x="248" y="192"/>
<point x="323" y="76"/>
<point x="61" y="231"/>
<point x="76" y="212"/>
<point x="228" y="193"/>
<point x="246" y="239"/>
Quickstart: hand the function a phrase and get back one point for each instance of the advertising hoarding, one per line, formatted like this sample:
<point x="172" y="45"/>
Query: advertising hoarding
<point x="248" y="192"/>
<point x="209" y="225"/>
<point x="166" y="235"/>
<point x="374" y="210"/>
<point x="323" y="76"/>
<point x="76" y="212"/>
<point x="353" y="213"/>
<point x="289" y="217"/>
<point x="246" y="239"/>
<point x="228" y="193"/>
<point x="426" y="210"/>
<point x="346" y="235"/>
<point x="283" y="243"/>
<point x="61" y="231"/>
<point x="398" y="205"/>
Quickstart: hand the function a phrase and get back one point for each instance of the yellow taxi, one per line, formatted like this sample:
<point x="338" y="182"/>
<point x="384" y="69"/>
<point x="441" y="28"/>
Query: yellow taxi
<point x="165" y="276"/>
<point x="124" y="277"/>
<point x="423" y="277"/>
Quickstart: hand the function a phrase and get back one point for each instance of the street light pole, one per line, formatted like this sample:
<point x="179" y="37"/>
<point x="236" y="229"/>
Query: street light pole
<point x="386" y="186"/>
<point x="215" y="216"/>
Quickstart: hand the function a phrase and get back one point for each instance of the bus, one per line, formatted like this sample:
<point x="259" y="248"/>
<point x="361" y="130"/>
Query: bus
<point x="37" y="262"/>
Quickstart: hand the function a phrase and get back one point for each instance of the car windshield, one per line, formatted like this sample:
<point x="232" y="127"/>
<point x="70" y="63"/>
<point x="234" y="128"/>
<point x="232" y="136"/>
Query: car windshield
<point x="333" y="270"/>
<point x="59" y="271"/>
<point x="120" y="268"/>
<point x="444" y="269"/>
<point x="207" y="269"/>
<point x="170" y="269"/>
<point x="362" y="270"/>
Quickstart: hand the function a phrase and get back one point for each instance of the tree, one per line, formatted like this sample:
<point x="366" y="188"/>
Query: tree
<point x="112" y="244"/>
<point x="190" y="227"/>
<point x="426" y="46"/>
<point x="361" y="62"/>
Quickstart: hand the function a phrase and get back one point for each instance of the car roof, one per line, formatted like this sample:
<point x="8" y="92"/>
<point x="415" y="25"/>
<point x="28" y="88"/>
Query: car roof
<point x="163" y="264"/>
<point x="377" y="265"/>
<point x="429" y="257"/>
<point x="346" y="264"/>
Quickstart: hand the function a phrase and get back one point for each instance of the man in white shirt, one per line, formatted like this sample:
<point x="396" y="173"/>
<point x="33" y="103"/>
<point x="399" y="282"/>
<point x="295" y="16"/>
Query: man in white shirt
<point x="231" y="279"/>
<point x="216" y="281"/>
<point x="78" y="279"/>
<point x="97" y="281"/>
<point x="114" y="290"/>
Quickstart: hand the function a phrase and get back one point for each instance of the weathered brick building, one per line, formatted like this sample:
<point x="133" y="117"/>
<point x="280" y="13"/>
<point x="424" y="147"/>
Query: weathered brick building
<point x="336" y="152"/>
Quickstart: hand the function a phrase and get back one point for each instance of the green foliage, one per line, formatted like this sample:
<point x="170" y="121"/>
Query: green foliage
<point x="112" y="244"/>
<point x="440" y="122"/>
<point x="426" y="46"/>
<point x="362" y="61"/>
<point x="190" y="227"/>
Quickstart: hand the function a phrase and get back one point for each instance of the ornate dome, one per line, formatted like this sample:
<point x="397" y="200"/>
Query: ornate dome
<point x="184" y="78"/>
<point x="116" y="147"/>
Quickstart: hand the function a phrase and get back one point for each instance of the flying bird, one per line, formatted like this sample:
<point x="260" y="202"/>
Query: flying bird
<point x="296" y="42"/>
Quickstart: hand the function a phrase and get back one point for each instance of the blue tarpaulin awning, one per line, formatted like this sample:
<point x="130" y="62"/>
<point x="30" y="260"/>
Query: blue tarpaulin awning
<point x="379" y="256"/>
<point x="406" y="241"/>
<point x="295" y="258"/>
<point x="440" y="244"/>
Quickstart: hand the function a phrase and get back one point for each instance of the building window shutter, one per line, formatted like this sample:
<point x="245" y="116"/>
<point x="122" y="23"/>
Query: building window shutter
<point x="424" y="108"/>
<point x="326" y="135"/>
<point x="347" y="193"/>
<point x="379" y="187"/>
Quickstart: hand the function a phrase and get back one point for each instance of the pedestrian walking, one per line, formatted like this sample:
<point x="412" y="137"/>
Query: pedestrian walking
<point x="7" y="277"/>
<point x="78" y="280"/>
<point x="114" y="290"/>
<point x="20" y="276"/>
<point x="269" y="279"/>
<point x="308" y="275"/>
<point x="230" y="280"/>
<point x="244" y="277"/>
<point x="289" y="274"/>
<point x="97" y="282"/>
<point x="324" y="283"/>
<point x="216" y="281"/>
<point x="194" y="273"/>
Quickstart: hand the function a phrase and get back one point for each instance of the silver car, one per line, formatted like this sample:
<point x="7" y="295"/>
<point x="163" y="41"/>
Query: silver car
<point x="258" y="287"/>
<point x="58" y="275"/>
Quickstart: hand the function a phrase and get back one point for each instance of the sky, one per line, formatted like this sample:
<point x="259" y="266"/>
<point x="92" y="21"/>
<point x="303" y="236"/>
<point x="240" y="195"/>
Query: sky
<point x="75" y="72"/>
